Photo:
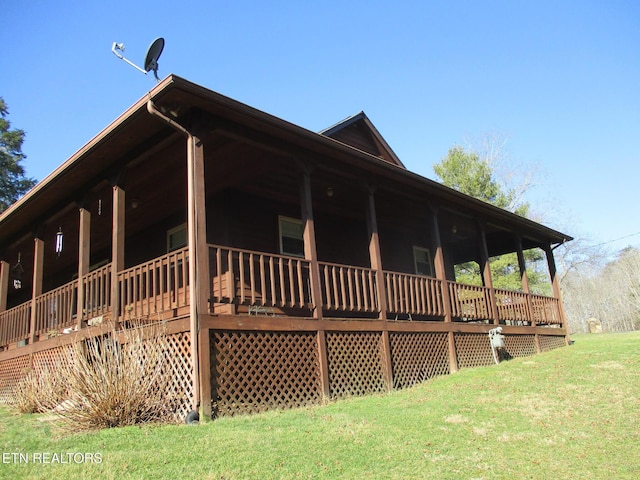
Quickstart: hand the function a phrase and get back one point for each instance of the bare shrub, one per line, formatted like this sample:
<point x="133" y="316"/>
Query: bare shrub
<point x="39" y="391"/>
<point x="119" y="379"/>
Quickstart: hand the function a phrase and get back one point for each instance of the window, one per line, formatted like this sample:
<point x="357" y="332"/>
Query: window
<point x="291" y="242"/>
<point x="422" y="261"/>
<point x="177" y="238"/>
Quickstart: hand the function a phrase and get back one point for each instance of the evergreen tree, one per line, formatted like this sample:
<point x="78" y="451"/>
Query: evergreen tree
<point x="13" y="183"/>
<point x="467" y="172"/>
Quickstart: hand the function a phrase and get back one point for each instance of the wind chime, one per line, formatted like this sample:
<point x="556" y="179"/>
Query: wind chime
<point x="17" y="272"/>
<point x="59" y="241"/>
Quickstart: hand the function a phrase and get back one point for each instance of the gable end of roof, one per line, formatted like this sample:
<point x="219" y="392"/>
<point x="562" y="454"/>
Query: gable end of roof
<point x="359" y="132"/>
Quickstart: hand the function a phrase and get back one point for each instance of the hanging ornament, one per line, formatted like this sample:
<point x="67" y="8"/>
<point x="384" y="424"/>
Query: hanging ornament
<point x="17" y="271"/>
<point x="59" y="240"/>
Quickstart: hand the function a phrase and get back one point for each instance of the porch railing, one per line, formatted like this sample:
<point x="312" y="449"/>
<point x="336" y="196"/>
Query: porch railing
<point x="96" y="289"/>
<point x="546" y="310"/>
<point x="258" y="279"/>
<point x="348" y="288"/>
<point x="56" y="309"/>
<point x="244" y="277"/>
<point x="469" y="302"/>
<point x="413" y="294"/>
<point x="14" y="324"/>
<point x="154" y="287"/>
<point x="513" y="307"/>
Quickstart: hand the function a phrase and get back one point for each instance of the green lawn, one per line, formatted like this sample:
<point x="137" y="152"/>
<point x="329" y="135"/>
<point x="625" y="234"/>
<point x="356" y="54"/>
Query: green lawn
<point x="573" y="413"/>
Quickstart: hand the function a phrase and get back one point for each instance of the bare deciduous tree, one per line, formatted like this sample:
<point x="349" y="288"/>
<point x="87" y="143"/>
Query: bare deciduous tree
<point x="610" y="292"/>
<point x="515" y="177"/>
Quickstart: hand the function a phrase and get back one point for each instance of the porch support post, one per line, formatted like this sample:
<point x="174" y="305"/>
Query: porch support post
<point x="4" y="284"/>
<point x="555" y="284"/>
<point x="38" y="269"/>
<point x="197" y="218"/>
<point x="84" y="249"/>
<point x="323" y="361"/>
<point x="198" y="265"/>
<point x="375" y="255"/>
<point x="376" y="265"/>
<point x="486" y="273"/>
<point x="117" y="248"/>
<point x="441" y="274"/>
<point x="522" y="265"/>
<point x="198" y="254"/>
<point x="311" y="255"/>
<point x="204" y="349"/>
<point x="309" y="238"/>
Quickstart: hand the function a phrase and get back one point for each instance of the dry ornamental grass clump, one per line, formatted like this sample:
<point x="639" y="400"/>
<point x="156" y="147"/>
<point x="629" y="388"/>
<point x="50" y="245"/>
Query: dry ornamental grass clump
<point x="40" y="391"/>
<point x="118" y="379"/>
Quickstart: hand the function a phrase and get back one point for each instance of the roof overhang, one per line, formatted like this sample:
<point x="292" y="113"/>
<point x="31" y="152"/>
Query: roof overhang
<point x="136" y="129"/>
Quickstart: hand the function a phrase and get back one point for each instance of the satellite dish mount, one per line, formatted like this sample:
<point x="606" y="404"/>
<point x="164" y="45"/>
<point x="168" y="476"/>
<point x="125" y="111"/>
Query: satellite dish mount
<point x="150" y="60"/>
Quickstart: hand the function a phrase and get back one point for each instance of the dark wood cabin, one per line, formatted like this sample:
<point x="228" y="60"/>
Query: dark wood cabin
<point x="289" y="266"/>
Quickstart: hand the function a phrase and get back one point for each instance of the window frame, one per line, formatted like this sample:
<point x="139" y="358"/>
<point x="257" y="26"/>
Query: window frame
<point x="416" y="249"/>
<point x="281" y="236"/>
<point x="173" y="231"/>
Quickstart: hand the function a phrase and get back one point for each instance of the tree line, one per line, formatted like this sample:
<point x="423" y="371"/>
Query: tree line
<point x="608" y="294"/>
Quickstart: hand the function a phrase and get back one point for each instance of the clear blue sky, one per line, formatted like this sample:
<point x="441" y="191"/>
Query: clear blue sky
<point x="560" y="78"/>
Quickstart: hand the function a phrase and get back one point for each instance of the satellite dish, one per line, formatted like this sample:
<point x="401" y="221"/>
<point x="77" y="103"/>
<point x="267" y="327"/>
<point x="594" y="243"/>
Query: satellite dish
<point x="153" y="54"/>
<point x="150" y="60"/>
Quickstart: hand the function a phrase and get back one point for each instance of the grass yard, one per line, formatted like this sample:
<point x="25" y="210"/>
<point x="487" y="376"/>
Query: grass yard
<point x="570" y="413"/>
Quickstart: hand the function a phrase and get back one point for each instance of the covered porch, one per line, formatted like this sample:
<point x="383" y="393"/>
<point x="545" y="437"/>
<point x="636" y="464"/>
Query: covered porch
<point x="281" y="222"/>
<point x="259" y="241"/>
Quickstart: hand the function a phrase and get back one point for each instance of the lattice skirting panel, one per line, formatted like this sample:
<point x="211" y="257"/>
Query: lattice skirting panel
<point x="11" y="372"/>
<point x="417" y="356"/>
<point x="178" y="356"/>
<point x="52" y="358"/>
<point x="520" y="345"/>
<point x="473" y="350"/>
<point x="257" y="371"/>
<point x="355" y="363"/>
<point x="15" y="369"/>
<point x="551" y="342"/>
